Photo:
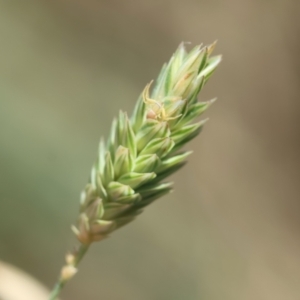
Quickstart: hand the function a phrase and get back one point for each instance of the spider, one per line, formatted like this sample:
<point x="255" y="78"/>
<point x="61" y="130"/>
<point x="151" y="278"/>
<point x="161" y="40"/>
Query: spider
<point x="156" y="108"/>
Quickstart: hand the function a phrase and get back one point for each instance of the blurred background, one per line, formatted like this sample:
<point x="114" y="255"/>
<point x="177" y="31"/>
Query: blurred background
<point x="231" y="229"/>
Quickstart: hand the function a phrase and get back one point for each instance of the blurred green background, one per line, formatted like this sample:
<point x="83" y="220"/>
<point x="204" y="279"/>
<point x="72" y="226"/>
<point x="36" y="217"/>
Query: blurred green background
<point x="231" y="229"/>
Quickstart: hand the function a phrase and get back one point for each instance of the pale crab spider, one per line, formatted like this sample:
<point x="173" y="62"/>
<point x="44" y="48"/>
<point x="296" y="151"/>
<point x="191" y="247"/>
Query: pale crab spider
<point x="156" y="108"/>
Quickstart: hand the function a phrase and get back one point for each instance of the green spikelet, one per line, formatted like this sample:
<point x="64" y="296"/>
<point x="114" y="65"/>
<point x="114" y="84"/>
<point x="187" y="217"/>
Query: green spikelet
<point x="143" y="150"/>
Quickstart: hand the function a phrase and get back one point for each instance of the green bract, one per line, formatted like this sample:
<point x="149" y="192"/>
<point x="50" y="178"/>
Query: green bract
<point x="143" y="150"/>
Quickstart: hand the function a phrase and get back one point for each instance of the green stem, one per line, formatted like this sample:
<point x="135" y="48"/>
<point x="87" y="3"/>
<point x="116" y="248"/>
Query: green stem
<point x="61" y="283"/>
<point x="56" y="290"/>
